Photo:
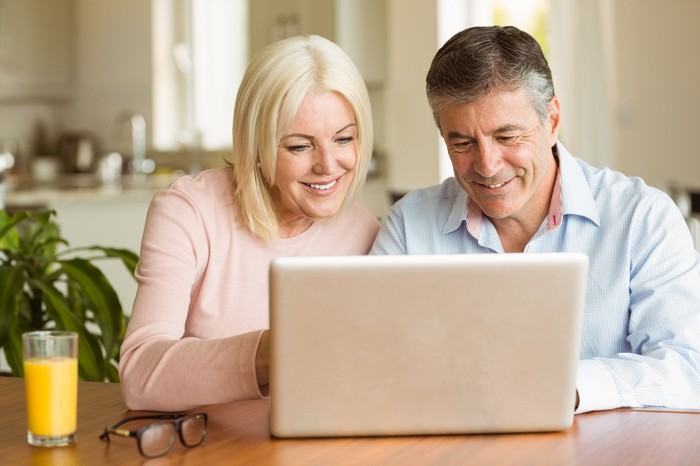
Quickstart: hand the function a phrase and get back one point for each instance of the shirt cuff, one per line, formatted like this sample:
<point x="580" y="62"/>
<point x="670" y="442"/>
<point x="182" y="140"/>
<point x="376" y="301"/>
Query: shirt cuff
<point x="596" y="387"/>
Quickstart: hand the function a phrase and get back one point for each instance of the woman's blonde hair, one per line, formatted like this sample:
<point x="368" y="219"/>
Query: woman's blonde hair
<point x="273" y="87"/>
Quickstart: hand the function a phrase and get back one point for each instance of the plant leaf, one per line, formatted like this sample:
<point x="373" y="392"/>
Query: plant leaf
<point x="89" y="353"/>
<point x="103" y="300"/>
<point x="41" y="234"/>
<point x="128" y="257"/>
<point x="11" y="283"/>
<point x="9" y="238"/>
<point x="93" y="370"/>
<point x="112" y="373"/>
<point x="38" y="290"/>
<point x="8" y="222"/>
<point x="13" y="352"/>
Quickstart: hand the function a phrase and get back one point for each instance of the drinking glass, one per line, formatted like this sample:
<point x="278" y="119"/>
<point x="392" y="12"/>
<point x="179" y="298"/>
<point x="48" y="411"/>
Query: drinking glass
<point x="51" y="385"/>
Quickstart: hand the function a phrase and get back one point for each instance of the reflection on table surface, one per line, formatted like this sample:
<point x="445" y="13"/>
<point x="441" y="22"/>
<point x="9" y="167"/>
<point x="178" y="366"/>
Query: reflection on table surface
<point x="238" y="434"/>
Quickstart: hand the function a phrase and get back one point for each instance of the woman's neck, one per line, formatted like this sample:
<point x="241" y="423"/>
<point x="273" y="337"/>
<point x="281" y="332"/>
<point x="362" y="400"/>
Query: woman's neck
<point x="291" y="227"/>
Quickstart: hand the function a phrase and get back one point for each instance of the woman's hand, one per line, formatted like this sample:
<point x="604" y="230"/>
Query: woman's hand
<point x="262" y="361"/>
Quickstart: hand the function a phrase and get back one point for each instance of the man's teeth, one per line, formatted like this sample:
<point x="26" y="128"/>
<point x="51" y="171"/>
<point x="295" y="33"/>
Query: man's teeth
<point x="323" y="186"/>
<point x="495" y="185"/>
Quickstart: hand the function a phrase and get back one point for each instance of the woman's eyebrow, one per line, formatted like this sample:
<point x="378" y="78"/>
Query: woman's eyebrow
<point x="308" y="136"/>
<point x="298" y="135"/>
<point x="349" y="125"/>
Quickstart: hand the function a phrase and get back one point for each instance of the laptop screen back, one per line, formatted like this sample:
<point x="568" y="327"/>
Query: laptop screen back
<point x="414" y="345"/>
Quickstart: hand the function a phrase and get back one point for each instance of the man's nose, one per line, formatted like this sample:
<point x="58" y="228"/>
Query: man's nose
<point x="488" y="160"/>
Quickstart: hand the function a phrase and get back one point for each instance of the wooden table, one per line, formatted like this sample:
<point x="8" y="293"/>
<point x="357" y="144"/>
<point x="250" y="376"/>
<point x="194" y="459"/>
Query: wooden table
<point x="238" y="434"/>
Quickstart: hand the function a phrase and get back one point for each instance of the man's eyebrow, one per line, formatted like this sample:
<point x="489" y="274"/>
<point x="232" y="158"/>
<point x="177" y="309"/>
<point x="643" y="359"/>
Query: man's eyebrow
<point x="507" y="128"/>
<point x="500" y="130"/>
<point x="458" y="135"/>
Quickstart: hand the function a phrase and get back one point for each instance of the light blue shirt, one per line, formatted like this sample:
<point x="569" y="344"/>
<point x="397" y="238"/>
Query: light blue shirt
<point x="641" y="335"/>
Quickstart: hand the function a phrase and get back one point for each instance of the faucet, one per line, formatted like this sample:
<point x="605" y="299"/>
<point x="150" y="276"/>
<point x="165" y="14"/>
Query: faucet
<point x="139" y="163"/>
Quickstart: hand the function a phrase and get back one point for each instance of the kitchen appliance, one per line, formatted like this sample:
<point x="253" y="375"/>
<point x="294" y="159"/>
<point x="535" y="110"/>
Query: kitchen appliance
<point x="78" y="152"/>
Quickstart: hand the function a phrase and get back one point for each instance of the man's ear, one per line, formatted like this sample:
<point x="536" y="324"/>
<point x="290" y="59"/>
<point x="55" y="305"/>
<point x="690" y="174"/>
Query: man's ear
<point x="553" y="118"/>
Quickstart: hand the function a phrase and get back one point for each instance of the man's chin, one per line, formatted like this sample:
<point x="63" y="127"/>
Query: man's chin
<point x="497" y="212"/>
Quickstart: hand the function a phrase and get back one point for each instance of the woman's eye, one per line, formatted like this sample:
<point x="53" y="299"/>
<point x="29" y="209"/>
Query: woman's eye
<point x="298" y="149"/>
<point x="345" y="140"/>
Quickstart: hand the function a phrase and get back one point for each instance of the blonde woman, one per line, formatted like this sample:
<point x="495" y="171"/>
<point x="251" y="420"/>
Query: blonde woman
<point x="302" y="140"/>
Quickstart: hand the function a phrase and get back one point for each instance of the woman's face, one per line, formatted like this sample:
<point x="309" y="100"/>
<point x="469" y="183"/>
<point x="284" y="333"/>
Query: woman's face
<point x="316" y="162"/>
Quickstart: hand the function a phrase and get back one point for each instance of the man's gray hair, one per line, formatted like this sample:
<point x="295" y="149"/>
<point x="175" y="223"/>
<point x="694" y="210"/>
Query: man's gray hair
<point x="481" y="60"/>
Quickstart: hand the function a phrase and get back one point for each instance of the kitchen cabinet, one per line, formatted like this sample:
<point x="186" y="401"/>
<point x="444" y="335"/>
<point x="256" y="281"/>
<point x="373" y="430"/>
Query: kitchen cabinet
<point x="357" y="26"/>
<point x="35" y="49"/>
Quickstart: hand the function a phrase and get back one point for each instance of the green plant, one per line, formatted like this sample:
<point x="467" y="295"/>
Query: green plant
<point x="46" y="284"/>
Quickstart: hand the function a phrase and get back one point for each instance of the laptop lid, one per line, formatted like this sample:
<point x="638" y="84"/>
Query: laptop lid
<point x="417" y="345"/>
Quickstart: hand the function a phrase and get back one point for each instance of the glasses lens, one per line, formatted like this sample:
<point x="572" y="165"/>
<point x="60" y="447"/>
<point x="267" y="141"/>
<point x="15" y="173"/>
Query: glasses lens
<point x="193" y="429"/>
<point x="157" y="439"/>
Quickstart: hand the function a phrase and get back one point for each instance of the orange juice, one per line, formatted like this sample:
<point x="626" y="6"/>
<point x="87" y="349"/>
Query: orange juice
<point x="52" y="395"/>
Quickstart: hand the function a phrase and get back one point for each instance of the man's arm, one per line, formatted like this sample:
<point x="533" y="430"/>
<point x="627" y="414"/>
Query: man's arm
<point x="662" y="367"/>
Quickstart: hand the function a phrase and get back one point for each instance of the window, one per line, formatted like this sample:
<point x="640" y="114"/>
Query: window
<point x="531" y="16"/>
<point x="200" y="51"/>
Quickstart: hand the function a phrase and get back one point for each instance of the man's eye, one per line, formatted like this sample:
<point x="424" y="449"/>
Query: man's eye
<point x="507" y="140"/>
<point x="462" y="146"/>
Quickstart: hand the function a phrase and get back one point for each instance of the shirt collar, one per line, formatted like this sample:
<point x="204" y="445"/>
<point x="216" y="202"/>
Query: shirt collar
<point x="458" y="214"/>
<point x="576" y="195"/>
<point x="571" y="195"/>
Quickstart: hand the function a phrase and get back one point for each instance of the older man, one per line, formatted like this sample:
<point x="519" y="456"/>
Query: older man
<point x="517" y="189"/>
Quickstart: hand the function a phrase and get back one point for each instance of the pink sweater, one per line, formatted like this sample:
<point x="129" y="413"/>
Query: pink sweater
<point x="202" y="299"/>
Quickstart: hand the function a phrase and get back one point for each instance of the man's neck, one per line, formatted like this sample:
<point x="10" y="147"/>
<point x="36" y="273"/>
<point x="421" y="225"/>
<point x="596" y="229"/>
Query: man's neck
<point x="515" y="235"/>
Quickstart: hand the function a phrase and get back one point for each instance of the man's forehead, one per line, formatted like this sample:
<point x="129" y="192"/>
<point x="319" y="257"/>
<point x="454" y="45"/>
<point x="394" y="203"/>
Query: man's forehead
<point x="495" y="113"/>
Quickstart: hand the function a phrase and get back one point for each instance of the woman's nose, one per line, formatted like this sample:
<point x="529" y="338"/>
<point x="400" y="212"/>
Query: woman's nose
<point x="325" y="161"/>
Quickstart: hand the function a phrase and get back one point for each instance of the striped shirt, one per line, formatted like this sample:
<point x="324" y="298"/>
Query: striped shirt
<point x="641" y="335"/>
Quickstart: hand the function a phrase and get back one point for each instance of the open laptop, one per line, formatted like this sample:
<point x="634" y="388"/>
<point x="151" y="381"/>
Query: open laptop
<point x="420" y="345"/>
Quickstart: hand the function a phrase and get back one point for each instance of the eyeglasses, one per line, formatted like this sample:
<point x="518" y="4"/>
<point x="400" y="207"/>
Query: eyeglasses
<point x="157" y="438"/>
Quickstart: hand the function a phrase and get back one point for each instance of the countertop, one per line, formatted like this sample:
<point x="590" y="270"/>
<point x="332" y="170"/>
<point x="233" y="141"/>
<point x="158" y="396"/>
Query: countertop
<point x="27" y="193"/>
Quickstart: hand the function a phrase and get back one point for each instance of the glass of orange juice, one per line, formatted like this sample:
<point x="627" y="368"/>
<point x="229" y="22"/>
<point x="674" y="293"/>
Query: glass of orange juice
<point x="51" y="385"/>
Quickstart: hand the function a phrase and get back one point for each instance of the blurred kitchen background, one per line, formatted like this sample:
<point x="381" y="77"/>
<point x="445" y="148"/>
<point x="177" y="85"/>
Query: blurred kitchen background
<point x="103" y="102"/>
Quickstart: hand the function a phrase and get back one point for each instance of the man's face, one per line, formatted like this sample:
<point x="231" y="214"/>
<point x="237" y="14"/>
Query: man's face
<point x="501" y="154"/>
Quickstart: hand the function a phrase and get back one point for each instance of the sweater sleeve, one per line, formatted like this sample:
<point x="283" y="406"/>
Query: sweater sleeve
<point x="161" y="366"/>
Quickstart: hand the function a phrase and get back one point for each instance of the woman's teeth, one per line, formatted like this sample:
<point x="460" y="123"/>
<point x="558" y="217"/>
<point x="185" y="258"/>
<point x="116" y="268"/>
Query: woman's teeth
<point x="323" y="186"/>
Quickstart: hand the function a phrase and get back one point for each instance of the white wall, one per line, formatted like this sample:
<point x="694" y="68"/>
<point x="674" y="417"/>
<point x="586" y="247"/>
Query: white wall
<point x="658" y="90"/>
<point x="412" y="140"/>
<point x="113" y="67"/>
